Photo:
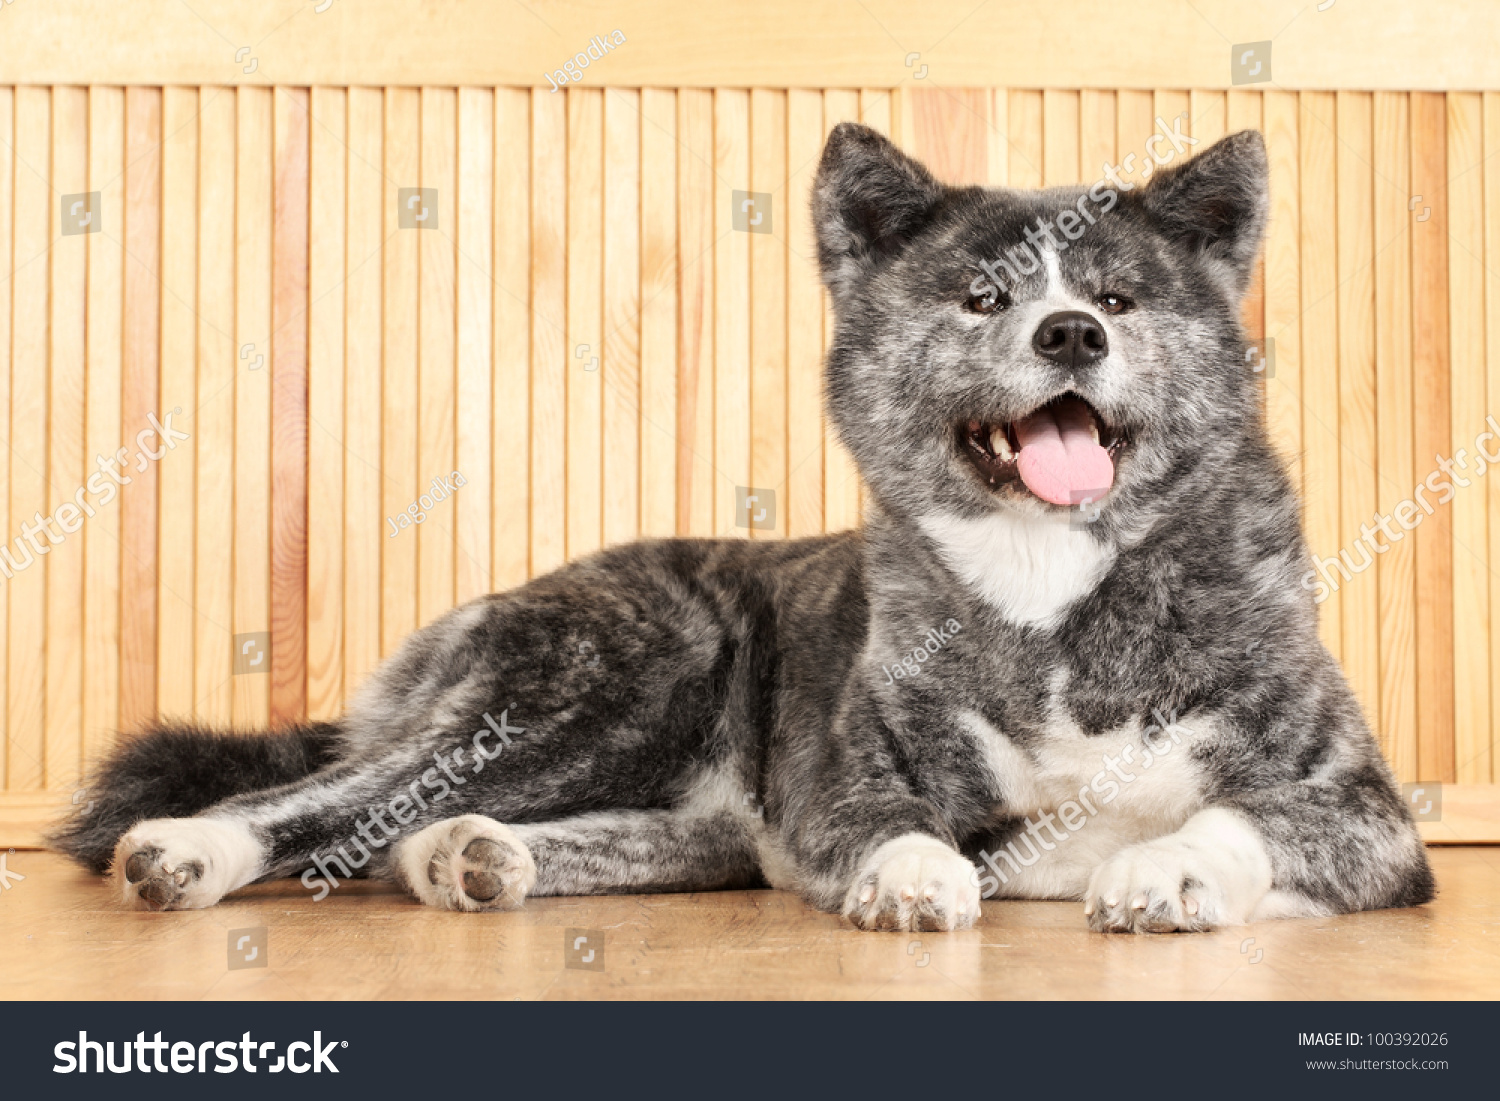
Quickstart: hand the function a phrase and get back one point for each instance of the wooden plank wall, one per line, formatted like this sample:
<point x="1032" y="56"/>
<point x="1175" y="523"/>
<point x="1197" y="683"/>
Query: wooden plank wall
<point x="584" y="337"/>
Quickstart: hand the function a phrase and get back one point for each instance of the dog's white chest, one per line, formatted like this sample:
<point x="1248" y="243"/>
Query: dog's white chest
<point x="1083" y="798"/>
<point x="1030" y="568"/>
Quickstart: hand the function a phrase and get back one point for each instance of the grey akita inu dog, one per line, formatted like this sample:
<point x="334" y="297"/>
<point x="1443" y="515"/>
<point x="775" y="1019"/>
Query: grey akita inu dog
<point x="985" y="691"/>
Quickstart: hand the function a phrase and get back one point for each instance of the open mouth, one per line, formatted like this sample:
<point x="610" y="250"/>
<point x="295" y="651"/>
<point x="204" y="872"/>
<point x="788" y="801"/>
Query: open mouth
<point x="1063" y="453"/>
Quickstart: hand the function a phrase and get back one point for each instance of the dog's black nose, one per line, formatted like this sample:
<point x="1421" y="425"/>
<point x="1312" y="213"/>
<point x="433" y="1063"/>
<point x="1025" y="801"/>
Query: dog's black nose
<point x="1071" y="339"/>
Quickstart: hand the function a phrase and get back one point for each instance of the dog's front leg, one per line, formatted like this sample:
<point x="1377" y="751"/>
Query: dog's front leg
<point x="1335" y="844"/>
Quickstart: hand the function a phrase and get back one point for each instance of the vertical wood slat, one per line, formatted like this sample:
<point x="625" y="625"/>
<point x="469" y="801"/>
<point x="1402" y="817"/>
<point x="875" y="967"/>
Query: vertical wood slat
<point x="585" y="325"/>
<point x="1320" y="350"/>
<point x="254" y="271"/>
<point x="731" y="311"/>
<point x="288" y="513"/>
<point x="7" y="288"/>
<point x="1134" y="122"/>
<point x="510" y="524"/>
<point x="1491" y="245"/>
<point x="475" y="296"/>
<point x="549" y="363"/>
<point x="1397" y="725"/>
<point x="696" y="188"/>
<point x="658" y="324"/>
<point x="997" y="153"/>
<point x="365" y="528"/>
<point x="1283" y="282"/>
<point x="841" y="489"/>
<point x="1360" y="600"/>
<point x="30" y="283"/>
<point x="101" y="611"/>
<point x="218" y="368"/>
<point x="1061" y="160"/>
<point x="1096" y="134"/>
<point x="950" y="132"/>
<point x="1432" y="434"/>
<point x="768" y="321"/>
<point x="400" y="357"/>
<point x="1469" y="512"/>
<point x="327" y="220"/>
<point x="620" y="368"/>
<point x="1024" y="124"/>
<point x="175" y="472"/>
<point x="804" y="319"/>
<point x="436" y="352"/>
<point x="142" y="349"/>
<point x="65" y="461"/>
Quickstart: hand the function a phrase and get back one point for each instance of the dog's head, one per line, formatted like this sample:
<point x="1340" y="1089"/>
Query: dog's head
<point x="1036" y="350"/>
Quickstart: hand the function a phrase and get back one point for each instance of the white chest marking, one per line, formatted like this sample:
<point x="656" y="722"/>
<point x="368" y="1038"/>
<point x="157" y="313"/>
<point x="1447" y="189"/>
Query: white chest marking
<point x="1083" y="799"/>
<point x="1030" y="568"/>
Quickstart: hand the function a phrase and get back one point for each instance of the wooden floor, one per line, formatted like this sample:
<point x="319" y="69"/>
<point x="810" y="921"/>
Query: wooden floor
<point x="63" y="935"/>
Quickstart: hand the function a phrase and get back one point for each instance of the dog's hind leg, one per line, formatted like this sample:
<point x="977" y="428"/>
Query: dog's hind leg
<point x="475" y="863"/>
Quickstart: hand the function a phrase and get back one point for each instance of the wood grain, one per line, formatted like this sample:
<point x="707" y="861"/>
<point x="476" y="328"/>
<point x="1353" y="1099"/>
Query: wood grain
<point x="177" y="523"/>
<point x="620" y="370"/>
<point x="400" y="483"/>
<point x="369" y="941"/>
<point x="585" y="327"/>
<point x="213" y="415"/>
<point x="475" y="428"/>
<point x="1469" y="512"/>
<point x="437" y="367"/>
<point x="695" y="341"/>
<point x="658" y="324"/>
<point x="510" y="524"/>
<point x="254" y="305"/>
<point x="1320" y="357"/>
<point x="138" y="398"/>
<point x="768" y="317"/>
<point x="1358" y="443"/>
<point x="68" y="305"/>
<point x="804" y="319"/>
<point x="289" y="497"/>
<point x="328" y="213"/>
<point x="549" y="315"/>
<point x="365" y="529"/>
<point x="1431" y="436"/>
<point x="1397" y="726"/>
<point x="106" y="261"/>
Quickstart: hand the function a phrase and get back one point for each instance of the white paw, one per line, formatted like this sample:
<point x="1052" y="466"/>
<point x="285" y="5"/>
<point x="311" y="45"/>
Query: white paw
<point x="183" y="863"/>
<point x="917" y="883"/>
<point x="467" y="863"/>
<point x="1212" y="872"/>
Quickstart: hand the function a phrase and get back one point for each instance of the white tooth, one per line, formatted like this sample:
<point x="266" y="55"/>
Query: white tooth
<point x="1094" y="430"/>
<point x="1001" y="446"/>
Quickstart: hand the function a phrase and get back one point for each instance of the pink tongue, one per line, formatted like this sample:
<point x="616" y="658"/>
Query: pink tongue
<point x="1059" y="460"/>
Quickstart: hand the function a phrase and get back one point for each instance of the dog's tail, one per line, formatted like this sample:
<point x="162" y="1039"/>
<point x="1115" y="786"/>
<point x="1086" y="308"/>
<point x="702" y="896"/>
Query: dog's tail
<point x="175" y="770"/>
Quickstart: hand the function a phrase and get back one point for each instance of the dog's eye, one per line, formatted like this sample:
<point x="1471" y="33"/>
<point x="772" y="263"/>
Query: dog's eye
<point x="992" y="302"/>
<point x="1115" y="303"/>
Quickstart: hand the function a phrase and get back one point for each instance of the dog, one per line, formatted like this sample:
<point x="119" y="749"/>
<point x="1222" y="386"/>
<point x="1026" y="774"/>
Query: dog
<point x="1069" y="655"/>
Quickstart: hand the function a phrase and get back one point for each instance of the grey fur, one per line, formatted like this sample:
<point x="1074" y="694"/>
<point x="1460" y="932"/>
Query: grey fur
<point x="708" y="714"/>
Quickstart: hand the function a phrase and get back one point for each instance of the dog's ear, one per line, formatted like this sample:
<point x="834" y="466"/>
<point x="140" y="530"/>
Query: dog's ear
<point x="1216" y="204"/>
<point x="869" y="198"/>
